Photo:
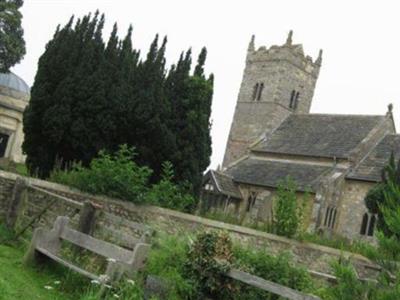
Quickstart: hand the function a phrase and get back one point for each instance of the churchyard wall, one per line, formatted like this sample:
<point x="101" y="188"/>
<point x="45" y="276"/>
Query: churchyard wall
<point x="113" y="218"/>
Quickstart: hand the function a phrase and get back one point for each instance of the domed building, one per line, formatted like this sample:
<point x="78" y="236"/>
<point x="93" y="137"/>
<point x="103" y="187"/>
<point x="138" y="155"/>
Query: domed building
<point x="14" y="97"/>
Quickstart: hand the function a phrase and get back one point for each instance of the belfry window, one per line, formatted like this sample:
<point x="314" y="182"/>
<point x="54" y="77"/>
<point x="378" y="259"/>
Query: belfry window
<point x="294" y="99"/>
<point x="260" y="90"/>
<point x="257" y="91"/>
<point x="330" y="217"/>
<point x="368" y="224"/>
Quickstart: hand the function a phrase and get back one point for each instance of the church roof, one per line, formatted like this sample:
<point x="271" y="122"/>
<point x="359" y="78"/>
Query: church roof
<point x="320" y="135"/>
<point x="370" y="167"/>
<point x="223" y="183"/>
<point x="270" y="173"/>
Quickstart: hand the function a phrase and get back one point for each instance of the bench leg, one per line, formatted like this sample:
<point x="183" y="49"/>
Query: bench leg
<point x="31" y="254"/>
<point x="114" y="271"/>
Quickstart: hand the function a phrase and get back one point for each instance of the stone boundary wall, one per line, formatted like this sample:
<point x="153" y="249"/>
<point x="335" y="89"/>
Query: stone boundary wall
<point x="115" y="215"/>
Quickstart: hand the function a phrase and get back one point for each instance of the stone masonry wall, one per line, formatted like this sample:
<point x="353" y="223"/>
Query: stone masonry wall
<point x="6" y="187"/>
<point x="113" y="216"/>
<point x="352" y="209"/>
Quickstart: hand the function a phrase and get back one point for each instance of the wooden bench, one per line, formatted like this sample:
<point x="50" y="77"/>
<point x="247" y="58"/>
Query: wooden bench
<point x="120" y="261"/>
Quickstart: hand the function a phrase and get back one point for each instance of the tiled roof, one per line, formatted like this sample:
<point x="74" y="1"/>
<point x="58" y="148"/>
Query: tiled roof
<point x="370" y="167"/>
<point x="225" y="184"/>
<point x="319" y="135"/>
<point x="270" y="173"/>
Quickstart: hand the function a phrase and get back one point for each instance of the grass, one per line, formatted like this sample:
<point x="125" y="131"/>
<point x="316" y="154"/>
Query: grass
<point x="337" y="242"/>
<point x="49" y="281"/>
<point x="20" y="282"/>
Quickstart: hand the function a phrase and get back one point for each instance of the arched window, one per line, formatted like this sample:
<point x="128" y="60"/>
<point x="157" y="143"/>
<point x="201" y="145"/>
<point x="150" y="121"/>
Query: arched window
<point x="260" y="90"/>
<point x="294" y="99"/>
<point x="292" y="96"/>
<point x="255" y="90"/>
<point x="364" y="224"/>
<point x="332" y="224"/>
<point x="251" y="200"/>
<point x="368" y="224"/>
<point x="371" y="226"/>
<point x="328" y="209"/>
<point x="330" y="217"/>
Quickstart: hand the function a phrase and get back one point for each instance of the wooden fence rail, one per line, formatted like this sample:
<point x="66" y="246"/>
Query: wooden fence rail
<point x="269" y="286"/>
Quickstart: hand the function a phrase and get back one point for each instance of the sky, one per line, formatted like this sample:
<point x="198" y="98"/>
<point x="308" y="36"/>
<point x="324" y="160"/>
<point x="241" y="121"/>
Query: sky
<point x="360" y="39"/>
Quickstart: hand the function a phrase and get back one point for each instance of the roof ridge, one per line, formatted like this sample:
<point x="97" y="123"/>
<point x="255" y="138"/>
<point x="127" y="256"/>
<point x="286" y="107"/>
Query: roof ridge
<point x="337" y="115"/>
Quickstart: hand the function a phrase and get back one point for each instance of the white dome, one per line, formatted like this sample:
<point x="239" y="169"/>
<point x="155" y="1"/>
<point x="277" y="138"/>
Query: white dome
<point x="13" y="86"/>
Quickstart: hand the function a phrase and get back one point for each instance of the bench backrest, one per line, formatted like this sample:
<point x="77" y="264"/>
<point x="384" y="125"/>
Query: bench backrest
<point x="90" y="243"/>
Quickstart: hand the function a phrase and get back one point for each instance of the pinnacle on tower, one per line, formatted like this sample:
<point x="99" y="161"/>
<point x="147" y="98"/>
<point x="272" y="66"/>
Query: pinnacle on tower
<point x="289" y="38"/>
<point x="319" y="59"/>
<point x="251" y="44"/>
<point x="390" y="108"/>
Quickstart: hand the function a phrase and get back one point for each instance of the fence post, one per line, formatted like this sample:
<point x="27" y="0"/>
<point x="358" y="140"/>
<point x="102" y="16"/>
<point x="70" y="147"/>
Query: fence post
<point x="19" y="189"/>
<point x="87" y="218"/>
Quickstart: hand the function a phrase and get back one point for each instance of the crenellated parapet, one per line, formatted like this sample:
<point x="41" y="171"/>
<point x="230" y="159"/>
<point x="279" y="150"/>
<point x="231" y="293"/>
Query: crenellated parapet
<point x="289" y="52"/>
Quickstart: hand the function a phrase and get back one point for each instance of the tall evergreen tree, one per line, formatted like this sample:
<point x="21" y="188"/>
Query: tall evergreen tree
<point x="12" y="44"/>
<point x="90" y="95"/>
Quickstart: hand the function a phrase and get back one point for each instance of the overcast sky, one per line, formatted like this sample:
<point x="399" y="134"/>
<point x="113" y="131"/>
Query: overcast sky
<point x="360" y="39"/>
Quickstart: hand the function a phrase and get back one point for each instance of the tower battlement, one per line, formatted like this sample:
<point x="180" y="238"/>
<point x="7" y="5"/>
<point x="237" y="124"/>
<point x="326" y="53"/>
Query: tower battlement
<point x="289" y="52"/>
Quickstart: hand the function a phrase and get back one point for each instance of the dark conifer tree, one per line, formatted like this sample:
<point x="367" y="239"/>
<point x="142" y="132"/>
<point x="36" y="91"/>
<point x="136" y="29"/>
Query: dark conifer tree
<point x="89" y="96"/>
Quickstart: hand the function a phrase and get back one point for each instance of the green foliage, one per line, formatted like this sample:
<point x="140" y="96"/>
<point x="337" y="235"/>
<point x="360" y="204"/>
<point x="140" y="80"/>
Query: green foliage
<point x="348" y="286"/>
<point x="212" y="254"/>
<point x="209" y="258"/>
<point x="338" y="242"/>
<point x="287" y="214"/>
<point x="6" y="235"/>
<point x="385" y="200"/>
<point x="90" y="95"/>
<point x="127" y="289"/>
<point x="167" y="194"/>
<point x="12" y="44"/>
<point x="167" y="260"/>
<point x="117" y="175"/>
<point x="112" y="175"/>
<point x="377" y="196"/>
<point x="278" y="269"/>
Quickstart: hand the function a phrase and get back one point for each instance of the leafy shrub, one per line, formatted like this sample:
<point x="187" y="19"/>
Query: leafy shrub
<point x="166" y="260"/>
<point x="288" y="215"/>
<point x="348" y="286"/>
<point x="114" y="175"/>
<point x="117" y="175"/>
<point x="209" y="258"/>
<point x="167" y="194"/>
<point x="278" y="269"/>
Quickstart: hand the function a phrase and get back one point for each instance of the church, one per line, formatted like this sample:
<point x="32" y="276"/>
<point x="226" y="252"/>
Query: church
<point x="335" y="159"/>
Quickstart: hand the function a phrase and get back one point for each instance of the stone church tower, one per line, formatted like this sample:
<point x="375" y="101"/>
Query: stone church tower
<point x="277" y="82"/>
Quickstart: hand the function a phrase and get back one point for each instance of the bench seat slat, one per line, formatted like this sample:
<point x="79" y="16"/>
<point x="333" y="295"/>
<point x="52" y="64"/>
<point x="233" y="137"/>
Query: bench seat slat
<point x="100" y="247"/>
<point x="67" y="264"/>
